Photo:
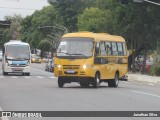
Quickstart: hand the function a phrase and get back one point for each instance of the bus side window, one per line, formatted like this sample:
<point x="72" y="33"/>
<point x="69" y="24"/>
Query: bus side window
<point x="97" y="49"/>
<point x="124" y="49"/>
<point x="103" y="49"/>
<point x="120" y="49"/>
<point x="114" y="48"/>
<point x="97" y="60"/>
<point x="108" y="48"/>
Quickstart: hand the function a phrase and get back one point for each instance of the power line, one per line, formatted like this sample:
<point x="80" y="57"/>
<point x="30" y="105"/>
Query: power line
<point x="17" y="8"/>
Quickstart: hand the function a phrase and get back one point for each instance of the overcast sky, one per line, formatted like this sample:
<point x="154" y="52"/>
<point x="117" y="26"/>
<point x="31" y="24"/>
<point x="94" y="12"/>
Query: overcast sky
<point x="20" y="7"/>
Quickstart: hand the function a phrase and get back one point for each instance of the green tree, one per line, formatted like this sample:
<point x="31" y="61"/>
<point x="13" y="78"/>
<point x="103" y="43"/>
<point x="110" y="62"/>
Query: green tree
<point x="45" y="45"/>
<point x="68" y="11"/>
<point x="14" y="31"/>
<point x="31" y="33"/>
<point x="95" y="20"/>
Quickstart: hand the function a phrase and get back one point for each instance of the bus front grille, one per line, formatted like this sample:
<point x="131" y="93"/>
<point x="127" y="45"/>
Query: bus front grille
<point x="11" y="65"/>
<point x="71" y="67"/>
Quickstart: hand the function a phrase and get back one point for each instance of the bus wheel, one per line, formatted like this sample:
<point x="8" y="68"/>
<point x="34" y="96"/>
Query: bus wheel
<point x="96" y="81"/>
<point x="60" y="82"/>
<point x="28" y="74"/>
<point x="5" y="73"/>
<point x="114" y="82"/>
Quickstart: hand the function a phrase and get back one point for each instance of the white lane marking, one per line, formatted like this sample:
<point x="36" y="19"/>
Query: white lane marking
<point x="14" y="77"/>
<point x="39" y="77"/>
<point x="1" y="76"/>
<point x="52" y="77"/>
<point x="27" y="77"/>
<point x="3" y="118"/>
<point x="145" y="93"/>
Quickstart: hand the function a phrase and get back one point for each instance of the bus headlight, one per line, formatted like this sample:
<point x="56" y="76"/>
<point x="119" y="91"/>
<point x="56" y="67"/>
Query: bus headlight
<point x="59" y="66"/>
<point x="33" y="59"/>
<point x="28" y="63"/>
<point x="87" y="66"/>
<point x="7" y="64"/>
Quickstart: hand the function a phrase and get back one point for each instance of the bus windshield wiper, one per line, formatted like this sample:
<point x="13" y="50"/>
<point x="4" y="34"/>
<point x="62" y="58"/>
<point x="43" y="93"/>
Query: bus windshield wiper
<point x="80" y="54"/>
<point x="22" y="58"/>
<point x="26" y="58"/>
<point x="66" y="53"/>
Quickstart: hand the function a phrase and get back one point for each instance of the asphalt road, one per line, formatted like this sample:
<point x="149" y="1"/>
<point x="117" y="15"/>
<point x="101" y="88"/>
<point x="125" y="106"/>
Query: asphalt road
<point x="40" y="92"/>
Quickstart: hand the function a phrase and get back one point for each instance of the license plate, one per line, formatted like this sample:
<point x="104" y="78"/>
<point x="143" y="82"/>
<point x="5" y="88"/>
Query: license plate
<point x="70" y="71"/>
<point x="17" y="69"/>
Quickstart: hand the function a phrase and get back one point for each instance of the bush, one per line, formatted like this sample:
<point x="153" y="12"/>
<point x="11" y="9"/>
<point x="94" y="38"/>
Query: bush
<point x="155" y="69"/>
<point x="151" y="70"/>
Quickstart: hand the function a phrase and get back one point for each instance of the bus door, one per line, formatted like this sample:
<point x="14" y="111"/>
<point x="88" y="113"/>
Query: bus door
<point x="101" y="60"/>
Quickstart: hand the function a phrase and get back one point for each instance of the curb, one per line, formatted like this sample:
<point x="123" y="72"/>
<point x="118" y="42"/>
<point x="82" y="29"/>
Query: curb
<point x="146" y="79"/>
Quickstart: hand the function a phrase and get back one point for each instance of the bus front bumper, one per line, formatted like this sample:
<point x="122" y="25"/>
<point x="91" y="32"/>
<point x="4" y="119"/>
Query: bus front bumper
<point x="9" y="69"/>
<point x="74" y="73"/>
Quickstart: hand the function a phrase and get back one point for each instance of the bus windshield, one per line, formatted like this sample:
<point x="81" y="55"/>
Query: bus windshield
<point x="18" y="52"/>
<point x="75" y="48"/>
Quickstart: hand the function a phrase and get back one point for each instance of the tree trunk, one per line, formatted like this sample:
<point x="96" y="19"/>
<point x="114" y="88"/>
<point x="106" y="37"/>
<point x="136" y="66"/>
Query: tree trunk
<point x="144" y="62"/>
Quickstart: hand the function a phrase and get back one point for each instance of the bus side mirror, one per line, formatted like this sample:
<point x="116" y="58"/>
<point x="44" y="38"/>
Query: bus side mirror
<point x="3" y="51"/>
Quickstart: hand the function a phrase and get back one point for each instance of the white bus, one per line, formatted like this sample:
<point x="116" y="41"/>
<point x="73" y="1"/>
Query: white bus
<point x="16" y="58"/>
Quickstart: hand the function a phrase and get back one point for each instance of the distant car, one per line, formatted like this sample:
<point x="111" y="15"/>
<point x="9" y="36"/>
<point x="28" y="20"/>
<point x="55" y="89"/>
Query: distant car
<point x="35" y="58"/>
<point x="1" y="55"/>
<point x="49" y="65"/>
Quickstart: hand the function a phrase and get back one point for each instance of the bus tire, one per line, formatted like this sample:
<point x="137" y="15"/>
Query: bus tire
<point x="96" y="81"/>
<point x="28" y="74"/>
<point x="114" y="82"/>
<point x="60" y="82"/>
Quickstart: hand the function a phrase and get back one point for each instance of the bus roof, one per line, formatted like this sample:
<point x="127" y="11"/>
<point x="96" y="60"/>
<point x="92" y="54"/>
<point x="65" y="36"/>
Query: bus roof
<point x="97" y="36"/>
<point x="11" y="42"/>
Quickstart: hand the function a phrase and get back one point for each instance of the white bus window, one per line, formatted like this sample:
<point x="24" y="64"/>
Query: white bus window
<point x="120" y="49"/>
<point x="124" y="49"/>
<point x="103" y="50"/>
<point x="114" y="48"/>
<point x="97" y="48"/>
<point x="108" y="48"/>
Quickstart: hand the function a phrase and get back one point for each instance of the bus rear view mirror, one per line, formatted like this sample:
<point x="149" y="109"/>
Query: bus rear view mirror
<point x="3" y="51"/>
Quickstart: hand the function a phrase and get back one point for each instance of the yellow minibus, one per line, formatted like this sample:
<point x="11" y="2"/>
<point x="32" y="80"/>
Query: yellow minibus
<point x="91" y="58"/>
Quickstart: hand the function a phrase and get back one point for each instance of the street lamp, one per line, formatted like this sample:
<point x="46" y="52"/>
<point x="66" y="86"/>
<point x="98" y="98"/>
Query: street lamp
<point x="141" y="1"/>
<point x="64" y="29"/>
<point x="60" y="27"/>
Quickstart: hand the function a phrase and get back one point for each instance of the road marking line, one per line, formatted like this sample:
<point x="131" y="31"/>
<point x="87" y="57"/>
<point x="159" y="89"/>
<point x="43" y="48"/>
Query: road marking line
<point x="14" y="77"/>
<point x="145" y="93"/>
<point x="1" y="76"/>
<point x="39" y="77"/>
<point x="3" y="118"/>
<point x="27" y="77"/>
<point x="52" y="77"/>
